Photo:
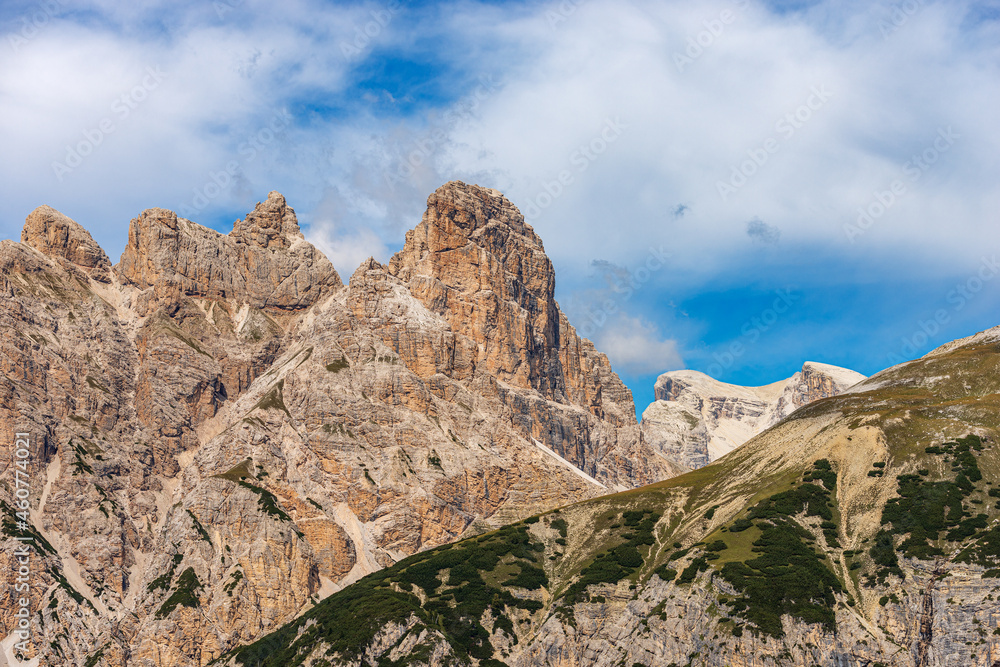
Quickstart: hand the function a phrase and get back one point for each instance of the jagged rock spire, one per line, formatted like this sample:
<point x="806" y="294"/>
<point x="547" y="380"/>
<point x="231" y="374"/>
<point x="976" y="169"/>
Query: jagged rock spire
<point x="264" y="261"/>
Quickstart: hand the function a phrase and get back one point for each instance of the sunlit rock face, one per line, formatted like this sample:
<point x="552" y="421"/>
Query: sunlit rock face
<point x="696" y="419"/>
<point x="223" y="433"/>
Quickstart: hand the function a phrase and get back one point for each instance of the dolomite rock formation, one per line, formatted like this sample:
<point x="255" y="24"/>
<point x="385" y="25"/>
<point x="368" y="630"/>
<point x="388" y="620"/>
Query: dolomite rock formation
<point x="223" y="433"/>
<point x="861" y="530"/>
<point x="51" y="233"/>
<point x="265" y="262"/>
<point x="696" y="419"/>
<point x="474" y="262"/>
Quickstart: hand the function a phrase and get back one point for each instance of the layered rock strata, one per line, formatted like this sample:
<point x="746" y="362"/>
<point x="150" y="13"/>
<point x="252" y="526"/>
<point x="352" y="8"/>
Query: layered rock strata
<point x="223" y="433"/>
<point x="696" y="419"/>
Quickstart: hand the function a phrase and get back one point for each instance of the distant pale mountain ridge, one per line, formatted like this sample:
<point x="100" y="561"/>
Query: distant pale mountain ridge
<point x="696" y="419"/>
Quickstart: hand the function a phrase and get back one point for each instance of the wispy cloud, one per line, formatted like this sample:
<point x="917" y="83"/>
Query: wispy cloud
<point x="503" y="95"/>
<point x="637" y="347"/>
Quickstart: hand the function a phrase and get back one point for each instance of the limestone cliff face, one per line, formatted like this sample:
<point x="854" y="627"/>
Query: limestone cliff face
<point x="696" y="419"/>
<point x="168" y="257"/>
<point x="476" y="263"/>
<point x="52" y="233"/>
<point x="861" y="530"/>
<point x="223" y="433"/>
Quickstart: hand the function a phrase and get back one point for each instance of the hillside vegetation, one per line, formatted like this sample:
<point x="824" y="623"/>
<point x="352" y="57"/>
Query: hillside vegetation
<point x="863" y="529"/>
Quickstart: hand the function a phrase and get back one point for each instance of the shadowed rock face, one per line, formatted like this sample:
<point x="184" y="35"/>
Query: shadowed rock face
<point x="223" y="432"/>
<point x="862" y="529"/>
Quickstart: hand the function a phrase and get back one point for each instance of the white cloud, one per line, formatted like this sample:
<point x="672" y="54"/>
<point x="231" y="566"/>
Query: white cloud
<point x="347" y="252"/>
<point x="223" y="81"/>
<point x="865" y="105"/>
<point x="636" y="346"/>
<point x="359" y="173"/>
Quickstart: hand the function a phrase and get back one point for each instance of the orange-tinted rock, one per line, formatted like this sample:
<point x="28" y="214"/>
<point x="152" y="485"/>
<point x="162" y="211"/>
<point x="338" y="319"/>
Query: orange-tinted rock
<point x="221" y="409"/>
<point x="51" y="233"/>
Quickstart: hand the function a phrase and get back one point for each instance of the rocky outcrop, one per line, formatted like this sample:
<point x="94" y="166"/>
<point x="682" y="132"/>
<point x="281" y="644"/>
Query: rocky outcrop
<point x="696" y="419"/>
<point x="169" y="257"/>
<point x="862" y="529"/>
<point x="53" y="234"/>
<point x="477" y="264"/>
<point x="223" y="433"/>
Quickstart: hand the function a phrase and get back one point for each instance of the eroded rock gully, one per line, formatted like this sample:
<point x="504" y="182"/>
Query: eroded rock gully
<point x="223" y="432"/>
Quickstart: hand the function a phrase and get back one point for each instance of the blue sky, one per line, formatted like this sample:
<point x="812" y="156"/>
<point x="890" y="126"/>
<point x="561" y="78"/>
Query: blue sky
<point x="693" y="168"/>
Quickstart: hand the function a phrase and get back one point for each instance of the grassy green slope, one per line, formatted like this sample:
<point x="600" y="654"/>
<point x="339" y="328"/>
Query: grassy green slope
<point x="832" y="507"/>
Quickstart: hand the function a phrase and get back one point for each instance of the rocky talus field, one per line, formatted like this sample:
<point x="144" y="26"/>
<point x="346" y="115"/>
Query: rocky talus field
<point x="223" y="433"/>
<point x="863" y="530"/>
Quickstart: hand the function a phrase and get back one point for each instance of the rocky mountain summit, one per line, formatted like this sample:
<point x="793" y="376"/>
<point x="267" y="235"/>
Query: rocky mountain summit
<point x="862" y="530"/>
<point x="223" y="433"/>
<point x="696" y="419"/>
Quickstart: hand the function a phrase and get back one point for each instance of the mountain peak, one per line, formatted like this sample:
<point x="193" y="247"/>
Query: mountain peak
<point x="696" y="418"/>
<point x="844" y="377"/>
<point x="272" y="224"/>
<point x="477" y="205"/>
<point x="53" y="234"/>
<point x="474" y="261"/>
<point x="459" y="214"/>
<point x="265" y="261"/>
